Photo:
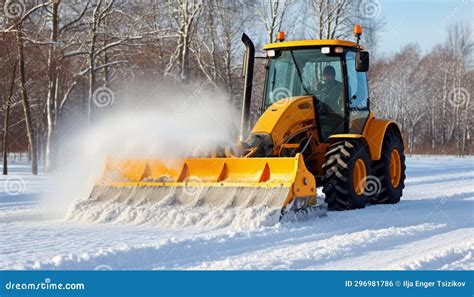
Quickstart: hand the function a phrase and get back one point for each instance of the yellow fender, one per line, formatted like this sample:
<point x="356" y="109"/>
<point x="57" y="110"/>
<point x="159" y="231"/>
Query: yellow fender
<point x="373" y="134"/>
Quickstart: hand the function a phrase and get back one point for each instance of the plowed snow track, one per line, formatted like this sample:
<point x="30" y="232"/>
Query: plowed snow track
<point x="432" y="228"/>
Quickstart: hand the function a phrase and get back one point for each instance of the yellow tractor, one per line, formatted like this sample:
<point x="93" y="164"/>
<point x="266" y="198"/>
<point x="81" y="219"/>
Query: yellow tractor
<point x="315" y="130"/>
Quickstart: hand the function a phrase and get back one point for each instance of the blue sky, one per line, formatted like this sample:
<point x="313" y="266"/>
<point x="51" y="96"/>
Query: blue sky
<point x="421" y="21"/>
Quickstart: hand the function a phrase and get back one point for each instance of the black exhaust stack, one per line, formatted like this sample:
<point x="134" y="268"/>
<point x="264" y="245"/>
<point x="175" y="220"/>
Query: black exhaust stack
<point x="249" y="60"/>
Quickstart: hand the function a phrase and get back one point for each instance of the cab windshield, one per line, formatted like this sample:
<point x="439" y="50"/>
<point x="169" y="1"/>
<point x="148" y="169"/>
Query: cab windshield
<point x="321" y="76"/>
<point x="309" y="72"/>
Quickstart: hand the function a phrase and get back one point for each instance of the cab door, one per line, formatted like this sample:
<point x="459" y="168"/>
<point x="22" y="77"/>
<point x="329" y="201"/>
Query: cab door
<point x="358" y="95"/>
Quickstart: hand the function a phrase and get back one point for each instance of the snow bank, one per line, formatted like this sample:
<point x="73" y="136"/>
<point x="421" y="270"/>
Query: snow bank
<point x="172" y="216"/>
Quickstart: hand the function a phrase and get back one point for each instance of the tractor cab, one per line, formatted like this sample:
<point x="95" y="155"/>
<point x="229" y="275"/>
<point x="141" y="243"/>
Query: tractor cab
<point x="331" y="71"/>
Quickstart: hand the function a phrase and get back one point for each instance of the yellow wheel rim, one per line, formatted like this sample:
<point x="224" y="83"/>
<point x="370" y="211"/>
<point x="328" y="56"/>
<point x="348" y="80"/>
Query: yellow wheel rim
<point x="395" y="168"/>
<point x="359" y="177"/>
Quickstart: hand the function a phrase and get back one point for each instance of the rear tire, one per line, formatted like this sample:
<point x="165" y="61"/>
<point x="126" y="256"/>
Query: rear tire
<point x="390" y="171"/>
<point x="346" y="168"/>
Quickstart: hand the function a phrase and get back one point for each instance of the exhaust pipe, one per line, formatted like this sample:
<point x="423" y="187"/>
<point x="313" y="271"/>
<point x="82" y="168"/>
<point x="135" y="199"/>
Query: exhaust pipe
<point x="249" y="59"/>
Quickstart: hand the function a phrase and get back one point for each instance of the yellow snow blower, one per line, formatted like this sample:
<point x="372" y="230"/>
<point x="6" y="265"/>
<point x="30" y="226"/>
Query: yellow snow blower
<point x="315" y="129"/>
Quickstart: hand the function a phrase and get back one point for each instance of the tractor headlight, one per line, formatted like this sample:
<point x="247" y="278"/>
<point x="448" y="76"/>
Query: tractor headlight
<point x="271" y="53"/>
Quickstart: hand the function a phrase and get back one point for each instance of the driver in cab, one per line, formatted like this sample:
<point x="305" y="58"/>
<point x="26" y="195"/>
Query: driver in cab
<point x="330" y="91"/>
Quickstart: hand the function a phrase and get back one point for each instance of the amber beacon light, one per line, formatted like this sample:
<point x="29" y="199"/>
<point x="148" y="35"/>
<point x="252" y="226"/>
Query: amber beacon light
<point x="357" y="30"/>
<point x="280" y="36"/>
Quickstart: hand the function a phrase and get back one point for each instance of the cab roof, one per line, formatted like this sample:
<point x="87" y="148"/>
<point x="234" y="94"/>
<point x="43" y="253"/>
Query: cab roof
<point x="309" y="43"/>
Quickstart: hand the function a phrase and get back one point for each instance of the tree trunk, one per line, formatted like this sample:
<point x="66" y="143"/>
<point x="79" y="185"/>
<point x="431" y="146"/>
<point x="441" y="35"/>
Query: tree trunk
<point x="91" y="87"/>
<point x="91" y="61"/>
<point x="5" y="137"/>
<point x="184" y="72"/>
<point x="26" y="104"/>
<point x="51" y="100"/>
<point x="6" y="117"/>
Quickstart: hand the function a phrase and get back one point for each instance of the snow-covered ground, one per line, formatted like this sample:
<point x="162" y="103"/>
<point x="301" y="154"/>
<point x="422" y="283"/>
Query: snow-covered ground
<point x="432" y="228"/>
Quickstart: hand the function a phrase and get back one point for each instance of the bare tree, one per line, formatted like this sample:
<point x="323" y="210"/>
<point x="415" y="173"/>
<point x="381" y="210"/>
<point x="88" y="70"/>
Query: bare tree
<point x="460" y="42"/>
<point x="332" y="18"/>
<point x="69" y="51"/>
<point x="6" y="116"/>
<point x="218" y="42"/>
<point x="272" y="14"/>
<point x="183" y="19"/>
<point x="26" y="104"/>
<point x="16" y="28"/>
<point x="430" y="95"/>
<point x="460" y="45"/>
<point x="52" y="84"/>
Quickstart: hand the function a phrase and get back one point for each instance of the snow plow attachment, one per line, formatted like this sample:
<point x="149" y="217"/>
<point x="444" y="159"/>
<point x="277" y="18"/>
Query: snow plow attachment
<point x="214" y="182"/>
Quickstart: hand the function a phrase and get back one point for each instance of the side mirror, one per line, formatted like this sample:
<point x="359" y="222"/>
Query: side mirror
<point x="362" y="61"/>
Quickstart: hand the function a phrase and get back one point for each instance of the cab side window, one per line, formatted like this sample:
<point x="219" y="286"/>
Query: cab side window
<point x="358" y="95"/>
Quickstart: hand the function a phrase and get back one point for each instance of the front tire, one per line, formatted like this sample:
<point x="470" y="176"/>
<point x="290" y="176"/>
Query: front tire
<point x="346" y="169"/>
